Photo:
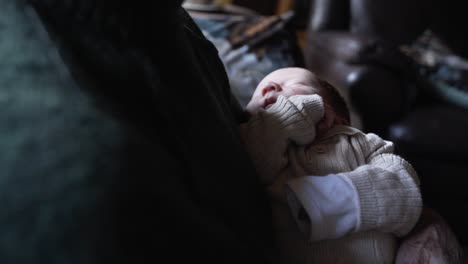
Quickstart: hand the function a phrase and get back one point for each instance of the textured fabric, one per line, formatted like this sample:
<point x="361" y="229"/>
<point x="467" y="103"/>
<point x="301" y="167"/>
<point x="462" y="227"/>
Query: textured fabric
<point x="331" y="202"/>
<point x="386" y="187"/>
<point x="390" y="200"/>
<point x="432" y="241"/>
<point x="357" y="248"/>
<point x="298" y="116"/>
<point x="103" y="166"/>
<point x="268" y="133"/>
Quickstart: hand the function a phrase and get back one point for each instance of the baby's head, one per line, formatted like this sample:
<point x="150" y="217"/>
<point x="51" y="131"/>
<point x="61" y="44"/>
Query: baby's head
<point x="298" y="81"/>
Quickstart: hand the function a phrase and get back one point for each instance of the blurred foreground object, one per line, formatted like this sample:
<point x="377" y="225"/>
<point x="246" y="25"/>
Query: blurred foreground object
<point x="100" y="144"/>
<point x="431" y="241"/>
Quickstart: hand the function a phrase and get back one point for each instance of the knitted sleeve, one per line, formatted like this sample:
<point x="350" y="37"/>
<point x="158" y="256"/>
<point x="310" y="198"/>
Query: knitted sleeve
<point x="268" y="133"/>
<point x="297" y="116"/>
<point x="387" y="187"/>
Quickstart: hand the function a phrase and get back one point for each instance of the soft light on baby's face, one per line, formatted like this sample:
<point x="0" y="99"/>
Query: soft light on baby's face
<point x="286" y="82"/>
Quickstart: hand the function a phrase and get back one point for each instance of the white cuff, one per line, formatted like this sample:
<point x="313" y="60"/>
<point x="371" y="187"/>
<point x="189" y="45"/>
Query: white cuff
<point x="331" y="203"/>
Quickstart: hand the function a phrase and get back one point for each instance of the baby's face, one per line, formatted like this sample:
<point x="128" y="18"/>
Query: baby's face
<point x="286" y="82"/>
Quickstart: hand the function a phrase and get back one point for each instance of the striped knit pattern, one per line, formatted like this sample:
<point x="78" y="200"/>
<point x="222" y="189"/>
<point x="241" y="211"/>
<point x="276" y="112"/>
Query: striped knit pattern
<point x="268" y="134"/>
<point x="389" y="201"/>
<point x="387" y="186"/>
<point x="297" y="116"/>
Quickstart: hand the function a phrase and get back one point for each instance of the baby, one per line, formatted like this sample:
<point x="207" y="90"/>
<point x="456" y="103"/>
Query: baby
<point x="338" y="195"/>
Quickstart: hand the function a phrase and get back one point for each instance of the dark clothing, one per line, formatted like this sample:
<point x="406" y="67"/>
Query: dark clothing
<point x="107" y="154"/>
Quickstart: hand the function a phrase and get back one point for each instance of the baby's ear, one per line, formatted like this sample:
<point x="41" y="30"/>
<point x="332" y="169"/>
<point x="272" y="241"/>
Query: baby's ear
<point x="327" y="122"/>
<point x="341" y="121"/>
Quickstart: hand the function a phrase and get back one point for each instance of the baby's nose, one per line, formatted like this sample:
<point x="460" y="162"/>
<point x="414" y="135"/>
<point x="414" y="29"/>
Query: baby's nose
<point x="271" y="86"/>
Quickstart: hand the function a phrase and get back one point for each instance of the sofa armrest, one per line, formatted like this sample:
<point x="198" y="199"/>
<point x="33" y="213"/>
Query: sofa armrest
<point x="379" y="96"/>
<point x="329" y="15"/>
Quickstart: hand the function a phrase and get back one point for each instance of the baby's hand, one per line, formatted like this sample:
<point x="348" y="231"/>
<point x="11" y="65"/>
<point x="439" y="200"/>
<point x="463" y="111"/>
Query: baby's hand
<point x="300" y="126"/>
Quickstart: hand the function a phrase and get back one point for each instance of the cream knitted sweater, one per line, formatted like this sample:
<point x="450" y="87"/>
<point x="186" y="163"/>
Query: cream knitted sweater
<point x="282" y="144"/>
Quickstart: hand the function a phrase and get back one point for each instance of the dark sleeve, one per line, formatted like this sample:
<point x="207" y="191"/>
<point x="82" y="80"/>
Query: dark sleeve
<point x="107" y="158"/>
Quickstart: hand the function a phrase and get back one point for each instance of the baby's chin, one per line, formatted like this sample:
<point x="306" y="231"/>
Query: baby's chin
<point x="253" y="107"/>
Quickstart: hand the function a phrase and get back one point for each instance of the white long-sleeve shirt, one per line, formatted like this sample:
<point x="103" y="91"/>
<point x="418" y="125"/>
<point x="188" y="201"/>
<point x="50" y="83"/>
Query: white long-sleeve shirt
<point x="368" y="195"/>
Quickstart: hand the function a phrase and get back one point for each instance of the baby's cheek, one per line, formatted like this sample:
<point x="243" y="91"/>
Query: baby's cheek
<point x="296" y="91"/>
<point x="253" y="106"/>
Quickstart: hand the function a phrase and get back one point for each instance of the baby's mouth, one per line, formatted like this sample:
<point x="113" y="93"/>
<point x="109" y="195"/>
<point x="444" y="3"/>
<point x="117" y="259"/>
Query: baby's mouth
<point x="268" y="101"/>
